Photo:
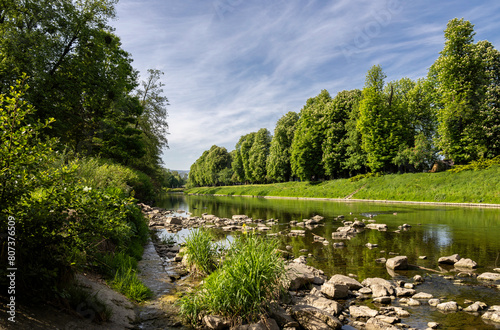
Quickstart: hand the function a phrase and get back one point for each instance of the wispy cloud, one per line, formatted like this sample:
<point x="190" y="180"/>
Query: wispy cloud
<point x="232" y="66"/>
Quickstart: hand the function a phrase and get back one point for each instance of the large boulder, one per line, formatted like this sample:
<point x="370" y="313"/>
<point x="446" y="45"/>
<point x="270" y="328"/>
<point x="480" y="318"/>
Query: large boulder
<point x="342" y="279"/>
<point x="450" y="260"/>
<point x="465" y="263"/>
<point x="313" y="318"/>
<point x="300" y="275"/>
<point x="399" y="262"/>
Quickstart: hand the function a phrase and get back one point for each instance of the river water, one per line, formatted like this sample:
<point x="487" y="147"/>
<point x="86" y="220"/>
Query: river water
<point x="435" y="231"/>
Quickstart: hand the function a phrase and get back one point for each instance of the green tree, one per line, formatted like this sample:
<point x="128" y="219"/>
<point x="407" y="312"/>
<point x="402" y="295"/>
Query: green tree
<point x="336" y="133"/>
<point x="258" y="155"/>
<point x="278" y="162"/>
<point x="466" y="77"/>
<point x="381" y="121"/>
<point x="306" y="150"/>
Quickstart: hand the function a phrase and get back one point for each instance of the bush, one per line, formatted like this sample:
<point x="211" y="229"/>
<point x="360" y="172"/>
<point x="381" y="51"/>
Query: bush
<point x="249" y="279"/>
<point x="476" y="165"/>
<point x="202" y="253"/>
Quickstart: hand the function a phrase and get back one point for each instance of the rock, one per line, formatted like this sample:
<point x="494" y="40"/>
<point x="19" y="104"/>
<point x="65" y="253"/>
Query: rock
<point x="208" y="217"/>
<point x="497" y="270"/>
<point x="383" y="300"/>
<point x="399" y="262"/>
<point x="434" y="302"/>
<point x="465" y="263"/>
<point x="410" y="301"/>
<point x="493" y="315"/>
<point x="475" y="307"/>
<point x="379" y="291"/>
<point x="423" y="295"/>
<point x="377" y="324"/>
<point x="449" y="306"/>
<point x="312" y="318"/>
<point x="300" y="275"/>
<point x="328" y="305"/>
<point x="418" y="279"/>
<point x="335" y="290"/>
<point x="401" y="312"/>
<point x="422" y="257"/>
<point x="216" y="322"/>
<point x="388" y="319"/>
<point x="282" y="317"/>
<point x="402" y="292"/>
<point x="239" y="217"/>
<point x="451" y="260"/>
<point x="377" y="226"/>
<point x="381" y="260"/>
<point x="362" y="311"/>
<point x="489" y="277"/>
<point x="408" y="285"/>
<point x="379" y="281"/>
<point x="433" y="325"/>
<point x="351" y="283"/>
<point x="371" y="246"/>
<point x="173" y="221"/>
<point x="365" y="290"/>
<point x="289" y="247"/>
<point x="265" y="324"/>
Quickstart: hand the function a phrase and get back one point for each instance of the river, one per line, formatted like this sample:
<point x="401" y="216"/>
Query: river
<point x="435" y="231"/>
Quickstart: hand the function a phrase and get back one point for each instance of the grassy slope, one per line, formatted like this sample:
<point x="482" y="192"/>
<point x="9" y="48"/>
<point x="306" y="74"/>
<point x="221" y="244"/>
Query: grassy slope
<point x="464" y="187"/>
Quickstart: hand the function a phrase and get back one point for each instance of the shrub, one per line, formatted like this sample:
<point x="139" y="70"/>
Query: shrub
<point x="249" y="279"/>
<point x="476" y="165"/>
<point x="202" y="252"/>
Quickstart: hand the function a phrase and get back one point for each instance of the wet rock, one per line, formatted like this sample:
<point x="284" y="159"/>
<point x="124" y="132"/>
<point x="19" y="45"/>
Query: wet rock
<point x="451" y="260"/>
<point x="418" y="279"/>
<point x="489" y="276"/>
<point x="300" y="275"/>
<point x="378" y="324"/>
<point x="371" y="246"/>
<point x="362" y="311"/>
<point x="400" y="262"/>
<point x="342" y="279"/>
<point x="433" y="325"/>
<point x="312" y="318"/>
<point x="401" y="312"/>
<point x="335" y="290"/>
<point x="449" y="306"/>
<point x="434" y="302"/>
<point x="328" y="305"/>
<point x="216" y="322"/>
<point x="381" y="260"/>
<point x="465" y="263"/>
<point x="297" y="232"/>
<point x="476" y="307"/>
<point x="423" y="295"/>
<point x="239" y="217"/>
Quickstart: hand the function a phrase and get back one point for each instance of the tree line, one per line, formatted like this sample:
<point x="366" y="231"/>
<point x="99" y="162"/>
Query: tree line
<point x="396" y="126"/>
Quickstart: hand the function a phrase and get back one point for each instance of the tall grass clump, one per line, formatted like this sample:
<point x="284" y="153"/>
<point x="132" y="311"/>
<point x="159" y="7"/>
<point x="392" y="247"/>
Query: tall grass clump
<point x="202" y="252"/>
<point x="242" y="288"/>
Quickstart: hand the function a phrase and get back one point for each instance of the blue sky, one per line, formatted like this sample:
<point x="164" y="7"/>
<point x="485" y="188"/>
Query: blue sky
<point x="233" y="66"/>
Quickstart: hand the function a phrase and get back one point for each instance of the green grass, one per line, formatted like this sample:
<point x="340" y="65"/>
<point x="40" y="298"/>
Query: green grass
<point x="482" y="186"/>
<point x="242" y="288"/>
<point x="202" y="252"/>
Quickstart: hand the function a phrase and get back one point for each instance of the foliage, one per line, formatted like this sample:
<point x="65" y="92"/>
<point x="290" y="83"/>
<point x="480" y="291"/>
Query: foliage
<point x="202" y="253"/>
<point x="211" y="168"/>
<point x="307" y="153"/>
<point x="278" y="162"/>
<point x="127" y="282"/>
<point x="258" y="154"/>
<point x="476" y="165"/>
<point x="241" y="290"/>
<point x="466" y="76"/>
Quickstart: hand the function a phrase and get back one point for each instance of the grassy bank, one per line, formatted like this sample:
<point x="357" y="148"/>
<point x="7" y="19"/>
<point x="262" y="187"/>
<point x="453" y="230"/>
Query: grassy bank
<point x="464" y="187"/>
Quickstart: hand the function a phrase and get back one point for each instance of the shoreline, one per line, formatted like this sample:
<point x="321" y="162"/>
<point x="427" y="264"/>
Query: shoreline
<point x="344" y="200"/>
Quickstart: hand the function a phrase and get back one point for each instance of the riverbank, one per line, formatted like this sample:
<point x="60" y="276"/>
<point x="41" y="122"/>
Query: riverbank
<point x="468" y="188"/>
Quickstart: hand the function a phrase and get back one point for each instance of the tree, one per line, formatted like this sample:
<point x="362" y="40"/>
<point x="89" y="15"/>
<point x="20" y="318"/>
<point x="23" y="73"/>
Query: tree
<point x="307" y="154"/>
<point x="466" y="77"/>
<point x="278" y="161"/>
<point x="258" y="155"/>
<point x="381" y="122"/>
<point x="211" y="168"/>
<point x="336" y="134"/>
